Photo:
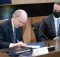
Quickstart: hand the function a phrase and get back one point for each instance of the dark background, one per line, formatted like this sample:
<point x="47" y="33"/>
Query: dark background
<point x="38" y="9"/>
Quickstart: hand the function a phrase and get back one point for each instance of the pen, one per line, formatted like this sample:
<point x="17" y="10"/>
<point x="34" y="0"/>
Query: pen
<point x="17" y="40"/>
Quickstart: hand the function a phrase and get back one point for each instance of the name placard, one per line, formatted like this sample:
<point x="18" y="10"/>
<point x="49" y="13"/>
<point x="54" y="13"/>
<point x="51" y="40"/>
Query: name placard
<point x="40" y="51"/>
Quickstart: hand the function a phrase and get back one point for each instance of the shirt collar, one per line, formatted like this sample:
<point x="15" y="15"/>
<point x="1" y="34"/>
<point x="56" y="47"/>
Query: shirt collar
<point x="55" y="17"/>
<point x="12" y="24"/>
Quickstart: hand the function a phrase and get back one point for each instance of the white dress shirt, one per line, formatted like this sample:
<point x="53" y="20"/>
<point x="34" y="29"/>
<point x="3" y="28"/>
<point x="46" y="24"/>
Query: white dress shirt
<point x="56" y="24"/>
<point x="12" y="44"/>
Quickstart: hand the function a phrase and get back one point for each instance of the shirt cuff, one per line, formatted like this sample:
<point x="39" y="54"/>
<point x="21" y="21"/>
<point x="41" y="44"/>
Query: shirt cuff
<point x="11" y="45"/>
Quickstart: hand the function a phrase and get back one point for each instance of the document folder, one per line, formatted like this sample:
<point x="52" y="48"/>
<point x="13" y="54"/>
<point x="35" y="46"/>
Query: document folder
<point x="16" y="50"/>
<point x="37" y="44"/>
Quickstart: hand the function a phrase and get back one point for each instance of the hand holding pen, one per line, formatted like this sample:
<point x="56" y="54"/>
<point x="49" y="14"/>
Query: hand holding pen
<point x="20" y="43"/>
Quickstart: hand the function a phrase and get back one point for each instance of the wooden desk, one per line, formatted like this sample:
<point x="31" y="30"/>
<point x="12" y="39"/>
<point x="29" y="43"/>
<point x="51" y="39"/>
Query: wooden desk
<point x="4" y="54"/>
<point x="55" y="53"/>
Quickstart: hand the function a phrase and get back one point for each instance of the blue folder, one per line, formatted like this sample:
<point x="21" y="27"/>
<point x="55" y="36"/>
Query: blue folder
<point x="41" y="44"/>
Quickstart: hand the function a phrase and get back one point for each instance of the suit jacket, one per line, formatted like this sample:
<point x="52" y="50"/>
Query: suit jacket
<point x="47" y="27"/>
<point x="6" y="34"/>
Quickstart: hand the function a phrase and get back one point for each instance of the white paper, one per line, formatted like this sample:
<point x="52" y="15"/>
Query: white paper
<point x="33" y="46"/>
<point x="40" y="51"/>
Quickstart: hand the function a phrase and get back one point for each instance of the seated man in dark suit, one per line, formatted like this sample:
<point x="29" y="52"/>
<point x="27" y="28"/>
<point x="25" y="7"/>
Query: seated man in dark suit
<point x="50" y="25"/>
<point x="11" y="30"/>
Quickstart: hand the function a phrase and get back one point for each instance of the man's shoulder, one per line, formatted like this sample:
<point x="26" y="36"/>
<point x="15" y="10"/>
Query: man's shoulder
<point x="49" y="17"/>
<point x="5" y="22"/>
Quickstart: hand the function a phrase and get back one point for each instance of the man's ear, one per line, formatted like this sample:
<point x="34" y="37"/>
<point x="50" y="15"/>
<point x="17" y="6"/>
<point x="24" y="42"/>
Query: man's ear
<point x="15" y="17"/>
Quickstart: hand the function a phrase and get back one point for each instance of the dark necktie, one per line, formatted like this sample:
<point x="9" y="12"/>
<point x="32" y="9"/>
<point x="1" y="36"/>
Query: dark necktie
<point x="14" y="36"/>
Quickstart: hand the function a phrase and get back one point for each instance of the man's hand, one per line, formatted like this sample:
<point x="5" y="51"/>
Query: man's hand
<point x="18" y="44"/>
<point x="56" y="38"/>
<point x="21" y="44"/>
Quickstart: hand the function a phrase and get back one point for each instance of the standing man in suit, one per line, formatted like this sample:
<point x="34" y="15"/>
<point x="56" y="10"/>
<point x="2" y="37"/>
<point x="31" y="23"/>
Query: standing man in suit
<point x="11" y="30"/>
<point x="49" y="26"/>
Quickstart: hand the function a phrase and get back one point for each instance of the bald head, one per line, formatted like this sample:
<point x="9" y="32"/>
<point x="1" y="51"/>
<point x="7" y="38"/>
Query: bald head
<point x="19" y="17"/>
<point x="19" y="12"/>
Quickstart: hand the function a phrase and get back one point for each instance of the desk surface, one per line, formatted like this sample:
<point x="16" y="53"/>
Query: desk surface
<point x="55" y="53"/>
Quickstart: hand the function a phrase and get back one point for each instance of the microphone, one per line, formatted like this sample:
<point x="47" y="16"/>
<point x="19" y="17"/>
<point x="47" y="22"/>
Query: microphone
<point x="50" y="48"/>
<point x="42" y="34"/>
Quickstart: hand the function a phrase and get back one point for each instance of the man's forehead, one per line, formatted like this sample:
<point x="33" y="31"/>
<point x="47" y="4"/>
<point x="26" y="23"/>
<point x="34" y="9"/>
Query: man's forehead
<point x="56" y="6"/>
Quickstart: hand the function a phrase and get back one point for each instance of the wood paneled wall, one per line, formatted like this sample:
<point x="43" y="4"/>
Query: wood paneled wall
<point x="37" y="19"/>
<point x="32" y="1"/>
<point x="27" y="32"/>
<point x="29" y="35"/>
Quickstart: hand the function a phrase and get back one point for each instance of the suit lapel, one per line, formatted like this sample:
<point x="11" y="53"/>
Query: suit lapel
<point x="19" y="32"/>
<point x="53" y="25"/>
<point x="10" y="30"/>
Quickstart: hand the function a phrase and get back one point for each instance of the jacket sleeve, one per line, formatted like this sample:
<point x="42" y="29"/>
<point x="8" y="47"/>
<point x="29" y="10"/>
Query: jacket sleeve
<point x="3" y="43"/>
